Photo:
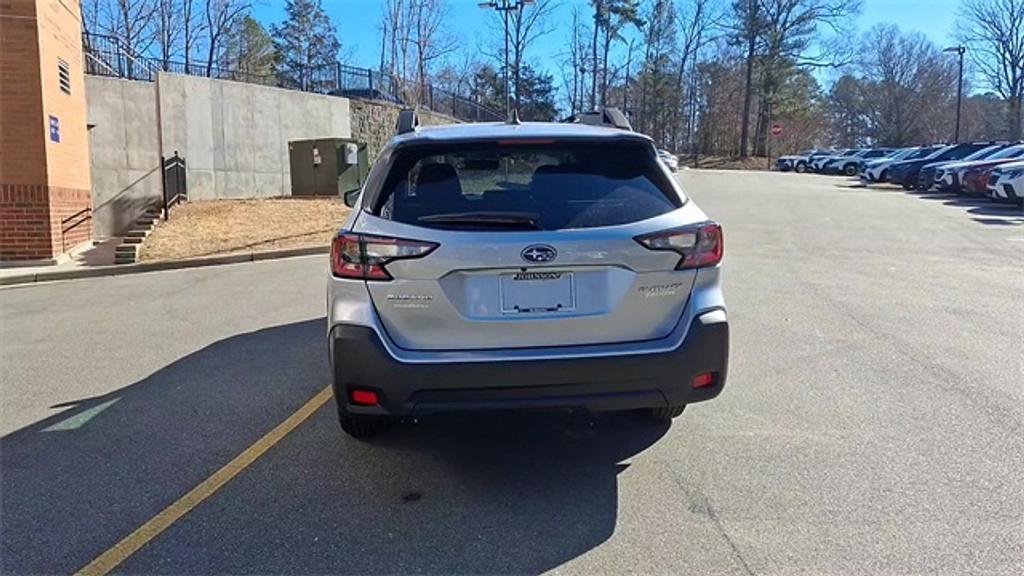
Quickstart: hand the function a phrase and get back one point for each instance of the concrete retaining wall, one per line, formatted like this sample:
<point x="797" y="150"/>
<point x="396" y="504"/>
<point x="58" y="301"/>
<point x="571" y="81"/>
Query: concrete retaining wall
<point x="124" y="146"/>
<point x="235" y="136"/>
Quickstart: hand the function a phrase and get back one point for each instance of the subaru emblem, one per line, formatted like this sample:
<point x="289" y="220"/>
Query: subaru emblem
<point x="539" y="253"/>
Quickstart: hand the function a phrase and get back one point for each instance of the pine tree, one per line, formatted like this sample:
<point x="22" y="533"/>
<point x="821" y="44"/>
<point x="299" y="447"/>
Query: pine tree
<point x="306" y="44"/>
<point x="536" y="95"/>
<point x="249" y="52"/>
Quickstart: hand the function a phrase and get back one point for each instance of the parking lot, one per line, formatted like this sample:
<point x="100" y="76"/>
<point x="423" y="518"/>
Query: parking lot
<point x="872" y="422"/>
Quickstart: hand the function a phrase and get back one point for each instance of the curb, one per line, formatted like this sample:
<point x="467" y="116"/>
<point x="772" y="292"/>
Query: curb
<point x="123" y="269"/>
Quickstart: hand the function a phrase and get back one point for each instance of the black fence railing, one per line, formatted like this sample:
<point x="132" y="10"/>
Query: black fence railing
<point x="107" y="55"/>
<point x="175" y="182"/>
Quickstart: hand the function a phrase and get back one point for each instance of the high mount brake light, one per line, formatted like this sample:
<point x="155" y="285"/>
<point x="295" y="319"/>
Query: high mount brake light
<point x="363" y="256"/>
<point x="699" y="245"/>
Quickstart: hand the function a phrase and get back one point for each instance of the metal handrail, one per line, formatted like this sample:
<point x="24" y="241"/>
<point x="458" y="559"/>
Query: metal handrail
<point x="177" y="164"/>
<point x="82" y="216"/>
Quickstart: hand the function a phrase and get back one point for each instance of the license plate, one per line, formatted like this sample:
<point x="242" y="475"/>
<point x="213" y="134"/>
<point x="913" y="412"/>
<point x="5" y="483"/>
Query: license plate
<point x="537" y="291"/>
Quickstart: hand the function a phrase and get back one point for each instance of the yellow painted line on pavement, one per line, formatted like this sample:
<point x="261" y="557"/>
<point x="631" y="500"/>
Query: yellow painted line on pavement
<point x="130" y="544"/>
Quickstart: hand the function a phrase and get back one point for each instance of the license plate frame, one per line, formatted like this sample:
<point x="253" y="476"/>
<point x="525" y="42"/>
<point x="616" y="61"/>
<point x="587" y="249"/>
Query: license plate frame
<point x="537" y="291"/>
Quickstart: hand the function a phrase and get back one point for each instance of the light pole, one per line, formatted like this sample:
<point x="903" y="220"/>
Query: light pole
<point x="506" y="6"/>
<point x="960" y="50"/>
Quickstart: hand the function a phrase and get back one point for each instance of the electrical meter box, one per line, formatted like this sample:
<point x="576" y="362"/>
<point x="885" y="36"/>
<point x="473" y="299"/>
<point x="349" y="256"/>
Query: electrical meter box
<point x="327" y="166"/>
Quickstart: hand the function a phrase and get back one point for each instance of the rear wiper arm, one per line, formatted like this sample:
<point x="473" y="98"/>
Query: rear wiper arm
<point x="507" y="219"/>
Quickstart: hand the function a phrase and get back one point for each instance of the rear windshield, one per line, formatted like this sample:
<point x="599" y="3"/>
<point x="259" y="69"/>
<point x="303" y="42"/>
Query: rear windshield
<point x="516" y="186"/>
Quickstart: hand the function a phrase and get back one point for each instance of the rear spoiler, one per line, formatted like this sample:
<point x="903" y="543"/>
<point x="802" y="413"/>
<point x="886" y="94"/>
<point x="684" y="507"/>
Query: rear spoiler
<point x="408" y="121"/>
<point x="609" y="116"/>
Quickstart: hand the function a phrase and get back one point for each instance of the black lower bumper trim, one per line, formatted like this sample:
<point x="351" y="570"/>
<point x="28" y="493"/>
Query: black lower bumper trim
<point x="359" y="360"/>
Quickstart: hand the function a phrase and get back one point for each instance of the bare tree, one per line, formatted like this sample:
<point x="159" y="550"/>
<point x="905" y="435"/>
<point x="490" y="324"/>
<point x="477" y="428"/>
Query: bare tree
<point x="575" y="64"/>
<point x="395" y="21"/>
<point x="747" y="27"/>
<point x="525" y="26"/>
<point x="698" y="22"/>
<point x="192" y="31"/>
<point x="908" y="87"/>
<point x="131" y="21"/>
<point x="91" y="13"/>
<point x="796" y="34"/>
<point x="993" y="31"/>
<point x="430" y="39"/>
<point x="610" y="17"/>
<point x="656" y="80"/>
<point x="220" y="16"/>
<point x="169" y="29"/>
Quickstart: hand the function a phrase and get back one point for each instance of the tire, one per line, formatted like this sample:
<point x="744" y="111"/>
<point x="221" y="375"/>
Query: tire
<point x="850" y="170"/>
<point x="665" y="413"/>
<point x="801" y="167"/>
<point x="362" y="427"/>
<point x="907" y="186"/>
<point x="884" y="176"/>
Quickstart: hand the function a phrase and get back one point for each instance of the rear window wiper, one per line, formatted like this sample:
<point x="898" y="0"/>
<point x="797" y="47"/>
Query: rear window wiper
<point x="528" y="220"/>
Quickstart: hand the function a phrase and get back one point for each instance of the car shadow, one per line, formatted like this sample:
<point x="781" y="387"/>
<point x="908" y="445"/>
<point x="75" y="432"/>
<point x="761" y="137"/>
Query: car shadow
<point x="494" y="493"/>
<point x="993" y="213"/>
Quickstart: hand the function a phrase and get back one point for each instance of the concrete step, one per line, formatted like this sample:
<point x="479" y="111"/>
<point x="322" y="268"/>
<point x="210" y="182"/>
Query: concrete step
<point x="124" y="261"/>
<point x="137" y="233"/>
<point x="133" y="240"/>
<point x="126" y="250"/>
<point x="144" y="221"/>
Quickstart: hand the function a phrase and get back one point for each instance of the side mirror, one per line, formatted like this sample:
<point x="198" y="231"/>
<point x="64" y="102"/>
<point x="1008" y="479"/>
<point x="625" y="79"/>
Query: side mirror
<point x="351" y="197"/>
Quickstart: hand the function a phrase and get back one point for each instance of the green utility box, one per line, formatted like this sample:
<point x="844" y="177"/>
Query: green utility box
<point x="328" y="166"/>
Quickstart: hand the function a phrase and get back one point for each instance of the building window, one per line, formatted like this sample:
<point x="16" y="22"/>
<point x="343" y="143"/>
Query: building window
<point x="64" y="76"/>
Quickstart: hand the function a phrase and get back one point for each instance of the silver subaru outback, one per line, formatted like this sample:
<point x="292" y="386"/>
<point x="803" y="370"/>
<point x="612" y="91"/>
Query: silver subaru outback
<point x="523" y="265"/>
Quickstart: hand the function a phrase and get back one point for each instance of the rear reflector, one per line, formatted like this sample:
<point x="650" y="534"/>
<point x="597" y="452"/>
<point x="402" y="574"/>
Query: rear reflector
<point x="704" y="379"/>
<point x="364" y="397"/>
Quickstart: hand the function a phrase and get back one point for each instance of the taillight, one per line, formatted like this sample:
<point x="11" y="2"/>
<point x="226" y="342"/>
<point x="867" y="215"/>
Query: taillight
<point x="363" y="256"/>
<point x="699" y="244"/>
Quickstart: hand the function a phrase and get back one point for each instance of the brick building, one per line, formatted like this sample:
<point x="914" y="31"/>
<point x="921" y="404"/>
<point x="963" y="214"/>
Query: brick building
<point x="44" y="143"/>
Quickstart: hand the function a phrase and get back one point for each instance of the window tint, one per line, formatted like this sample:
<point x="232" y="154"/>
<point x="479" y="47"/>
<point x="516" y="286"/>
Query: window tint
<point x="548" y="186"/>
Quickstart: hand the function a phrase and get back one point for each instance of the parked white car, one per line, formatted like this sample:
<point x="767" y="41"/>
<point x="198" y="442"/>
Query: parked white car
<point x="949" y="177"/>
<point x="1006" y="183"/>
<point x="798" y="162"/>
<point x="818" y="162"/>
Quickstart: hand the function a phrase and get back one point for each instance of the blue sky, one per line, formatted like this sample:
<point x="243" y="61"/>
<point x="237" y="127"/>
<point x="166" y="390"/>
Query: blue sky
<point x="358" y="24"/>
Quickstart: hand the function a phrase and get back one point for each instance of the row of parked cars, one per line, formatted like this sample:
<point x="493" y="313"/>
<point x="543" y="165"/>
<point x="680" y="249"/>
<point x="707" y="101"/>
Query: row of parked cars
<point x="993" y="169"/>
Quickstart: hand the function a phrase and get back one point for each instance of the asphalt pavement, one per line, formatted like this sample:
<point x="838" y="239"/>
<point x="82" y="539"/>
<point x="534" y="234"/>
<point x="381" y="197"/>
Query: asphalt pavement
<point x="873" y="421"/>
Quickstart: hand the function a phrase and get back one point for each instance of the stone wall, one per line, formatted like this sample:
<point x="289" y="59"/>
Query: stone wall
<point x="374" y="122"/>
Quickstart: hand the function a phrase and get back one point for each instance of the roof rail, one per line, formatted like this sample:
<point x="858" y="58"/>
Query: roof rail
<point x="408" y="121"/>
<point x="608" y="116"/>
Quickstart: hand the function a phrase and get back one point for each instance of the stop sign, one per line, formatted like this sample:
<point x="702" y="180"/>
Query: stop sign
<point x="776" y="129"/>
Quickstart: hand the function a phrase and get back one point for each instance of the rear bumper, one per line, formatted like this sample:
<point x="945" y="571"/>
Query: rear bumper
<point x="624" y="382"/>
